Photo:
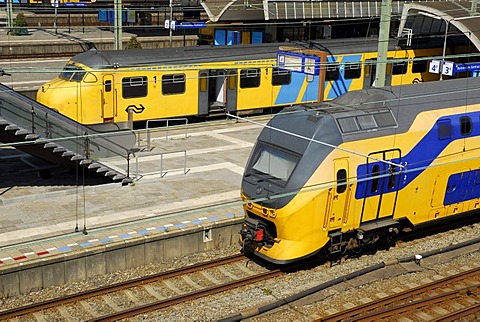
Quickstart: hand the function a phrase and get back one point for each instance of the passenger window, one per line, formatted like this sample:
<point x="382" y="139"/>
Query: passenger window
<point x="341" y="180"/>
<point x="250" y="78"/>
<point x="281" y="77"/>
<point x="399" y="68"/>
<point x="108" y="86"/>
<point x="465" y="125"/>
<point x="419" y="66"/>
<point x="134" y="87"/>
<point x="352" y="71"/>
<point x="375" y="181"/>
<point x="392" y="177"/>
<point x="444" y="129"/>
<point x="173" y="84"/>
<point x="332" y="73"/>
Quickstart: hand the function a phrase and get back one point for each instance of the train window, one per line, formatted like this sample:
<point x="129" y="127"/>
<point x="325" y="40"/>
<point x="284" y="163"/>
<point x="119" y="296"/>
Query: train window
<point x="173" y="84"/>
<point x="348" y="124"/>
<point x="366" y="122"/>
<point x="445" y="129"/>
<point x="419" y="66"/>
<point x="399" y="68"/>
<point x="203" y="77"/>
<point x="72" y="72"/>
<point x="276" y="163"/>
<point x="352" y="71"/>
<point x="341" y="180"/>
<point x="108" y="85"/>
<point x="384" y="119"/>
<point x="281" y="77"/>
<point x="232" y="79"/>
<point x="477" y="177"/>
<point x="250" y="78"/>
<point x="134" y="87"/>
<point x="78" y="76"/>
<point x="392" y="177"/>
<point x="465" y="125"/>
<point x="90" y="78"/>
<point x="375" y="180"/>
<point x="332" y="73"/>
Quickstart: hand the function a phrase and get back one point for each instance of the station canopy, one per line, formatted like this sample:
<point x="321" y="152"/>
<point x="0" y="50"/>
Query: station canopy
<point x="299" y="10"/>
<point x="463" y="15"/>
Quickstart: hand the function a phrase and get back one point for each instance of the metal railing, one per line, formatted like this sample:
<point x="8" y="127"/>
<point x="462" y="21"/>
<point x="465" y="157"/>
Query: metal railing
<point x="162" y="172"/>
<point x="52" y="126"/>
<point x="167" y="121"/>
<point x="185" y="171"/>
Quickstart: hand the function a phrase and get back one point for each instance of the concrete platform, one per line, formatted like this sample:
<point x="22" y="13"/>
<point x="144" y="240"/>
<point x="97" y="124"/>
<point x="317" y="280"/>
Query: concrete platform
<point x="187" y="186"/>
<point x="50" y="42"/>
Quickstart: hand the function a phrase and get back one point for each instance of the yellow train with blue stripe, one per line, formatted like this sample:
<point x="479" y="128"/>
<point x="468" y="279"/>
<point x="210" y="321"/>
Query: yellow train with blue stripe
<point x="336" y="176"/>
<point x="99" y="87"/>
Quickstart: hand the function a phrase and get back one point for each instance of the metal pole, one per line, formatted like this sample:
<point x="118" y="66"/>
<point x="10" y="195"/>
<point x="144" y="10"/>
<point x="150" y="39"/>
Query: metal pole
<point x="9" y="15"/>
<point x="383" y="38"/>
<point x="117" y="27"/>
<point x="444" y="49"/>
<point x="171" y="19"/>
<point x="55" y="4"/>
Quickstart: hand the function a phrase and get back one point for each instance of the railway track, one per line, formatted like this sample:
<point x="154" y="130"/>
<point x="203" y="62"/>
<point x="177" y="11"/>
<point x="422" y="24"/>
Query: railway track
<point x="447" y="299"/>
<point x="147" y="293"/>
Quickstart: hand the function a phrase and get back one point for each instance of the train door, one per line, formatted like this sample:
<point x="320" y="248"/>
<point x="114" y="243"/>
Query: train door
<point x="108" y="99"/>
<point x="217" y="91"/>
<point x="381" y="187"/>
<point x="231" y="81"/>
<point x="338" y="195"/>
<point x="370" y="71"/>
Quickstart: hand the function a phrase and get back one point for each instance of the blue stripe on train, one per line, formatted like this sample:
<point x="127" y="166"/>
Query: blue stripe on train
<point x="462" y="186"/>
<point x="311" y="92"/>
<point x="289" y="93"/>
<point x="341" y="85"/>
<point x="419" y="158"/>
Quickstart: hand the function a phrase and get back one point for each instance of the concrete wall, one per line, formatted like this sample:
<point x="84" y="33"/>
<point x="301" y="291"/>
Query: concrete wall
<point x="78" y="265"/>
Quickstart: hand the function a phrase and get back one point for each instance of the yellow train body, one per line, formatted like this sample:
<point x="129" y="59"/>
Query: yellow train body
<point x="373" y="184"/>
<point x="102" y="87"/>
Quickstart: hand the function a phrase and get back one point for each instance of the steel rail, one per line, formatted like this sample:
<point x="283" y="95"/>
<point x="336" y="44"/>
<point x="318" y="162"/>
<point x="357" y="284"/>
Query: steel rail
<point x="390" y="300"/>
<point x="157" y="305"/>
<point x="35" y="307"/>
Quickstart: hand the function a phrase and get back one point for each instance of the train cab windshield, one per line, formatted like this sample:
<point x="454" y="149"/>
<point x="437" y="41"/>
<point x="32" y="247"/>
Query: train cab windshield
<point x="277" y="164"/>
<point x="72" y="73"/>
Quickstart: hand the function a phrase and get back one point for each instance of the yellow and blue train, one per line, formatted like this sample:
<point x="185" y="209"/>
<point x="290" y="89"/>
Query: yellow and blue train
<point x="98" y="87"/>
<point x="339" y="175"/>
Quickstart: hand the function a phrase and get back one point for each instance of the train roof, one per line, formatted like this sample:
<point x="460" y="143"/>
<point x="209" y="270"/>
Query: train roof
<point x="200" y="54"/>
<point x="361" y="114"/>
